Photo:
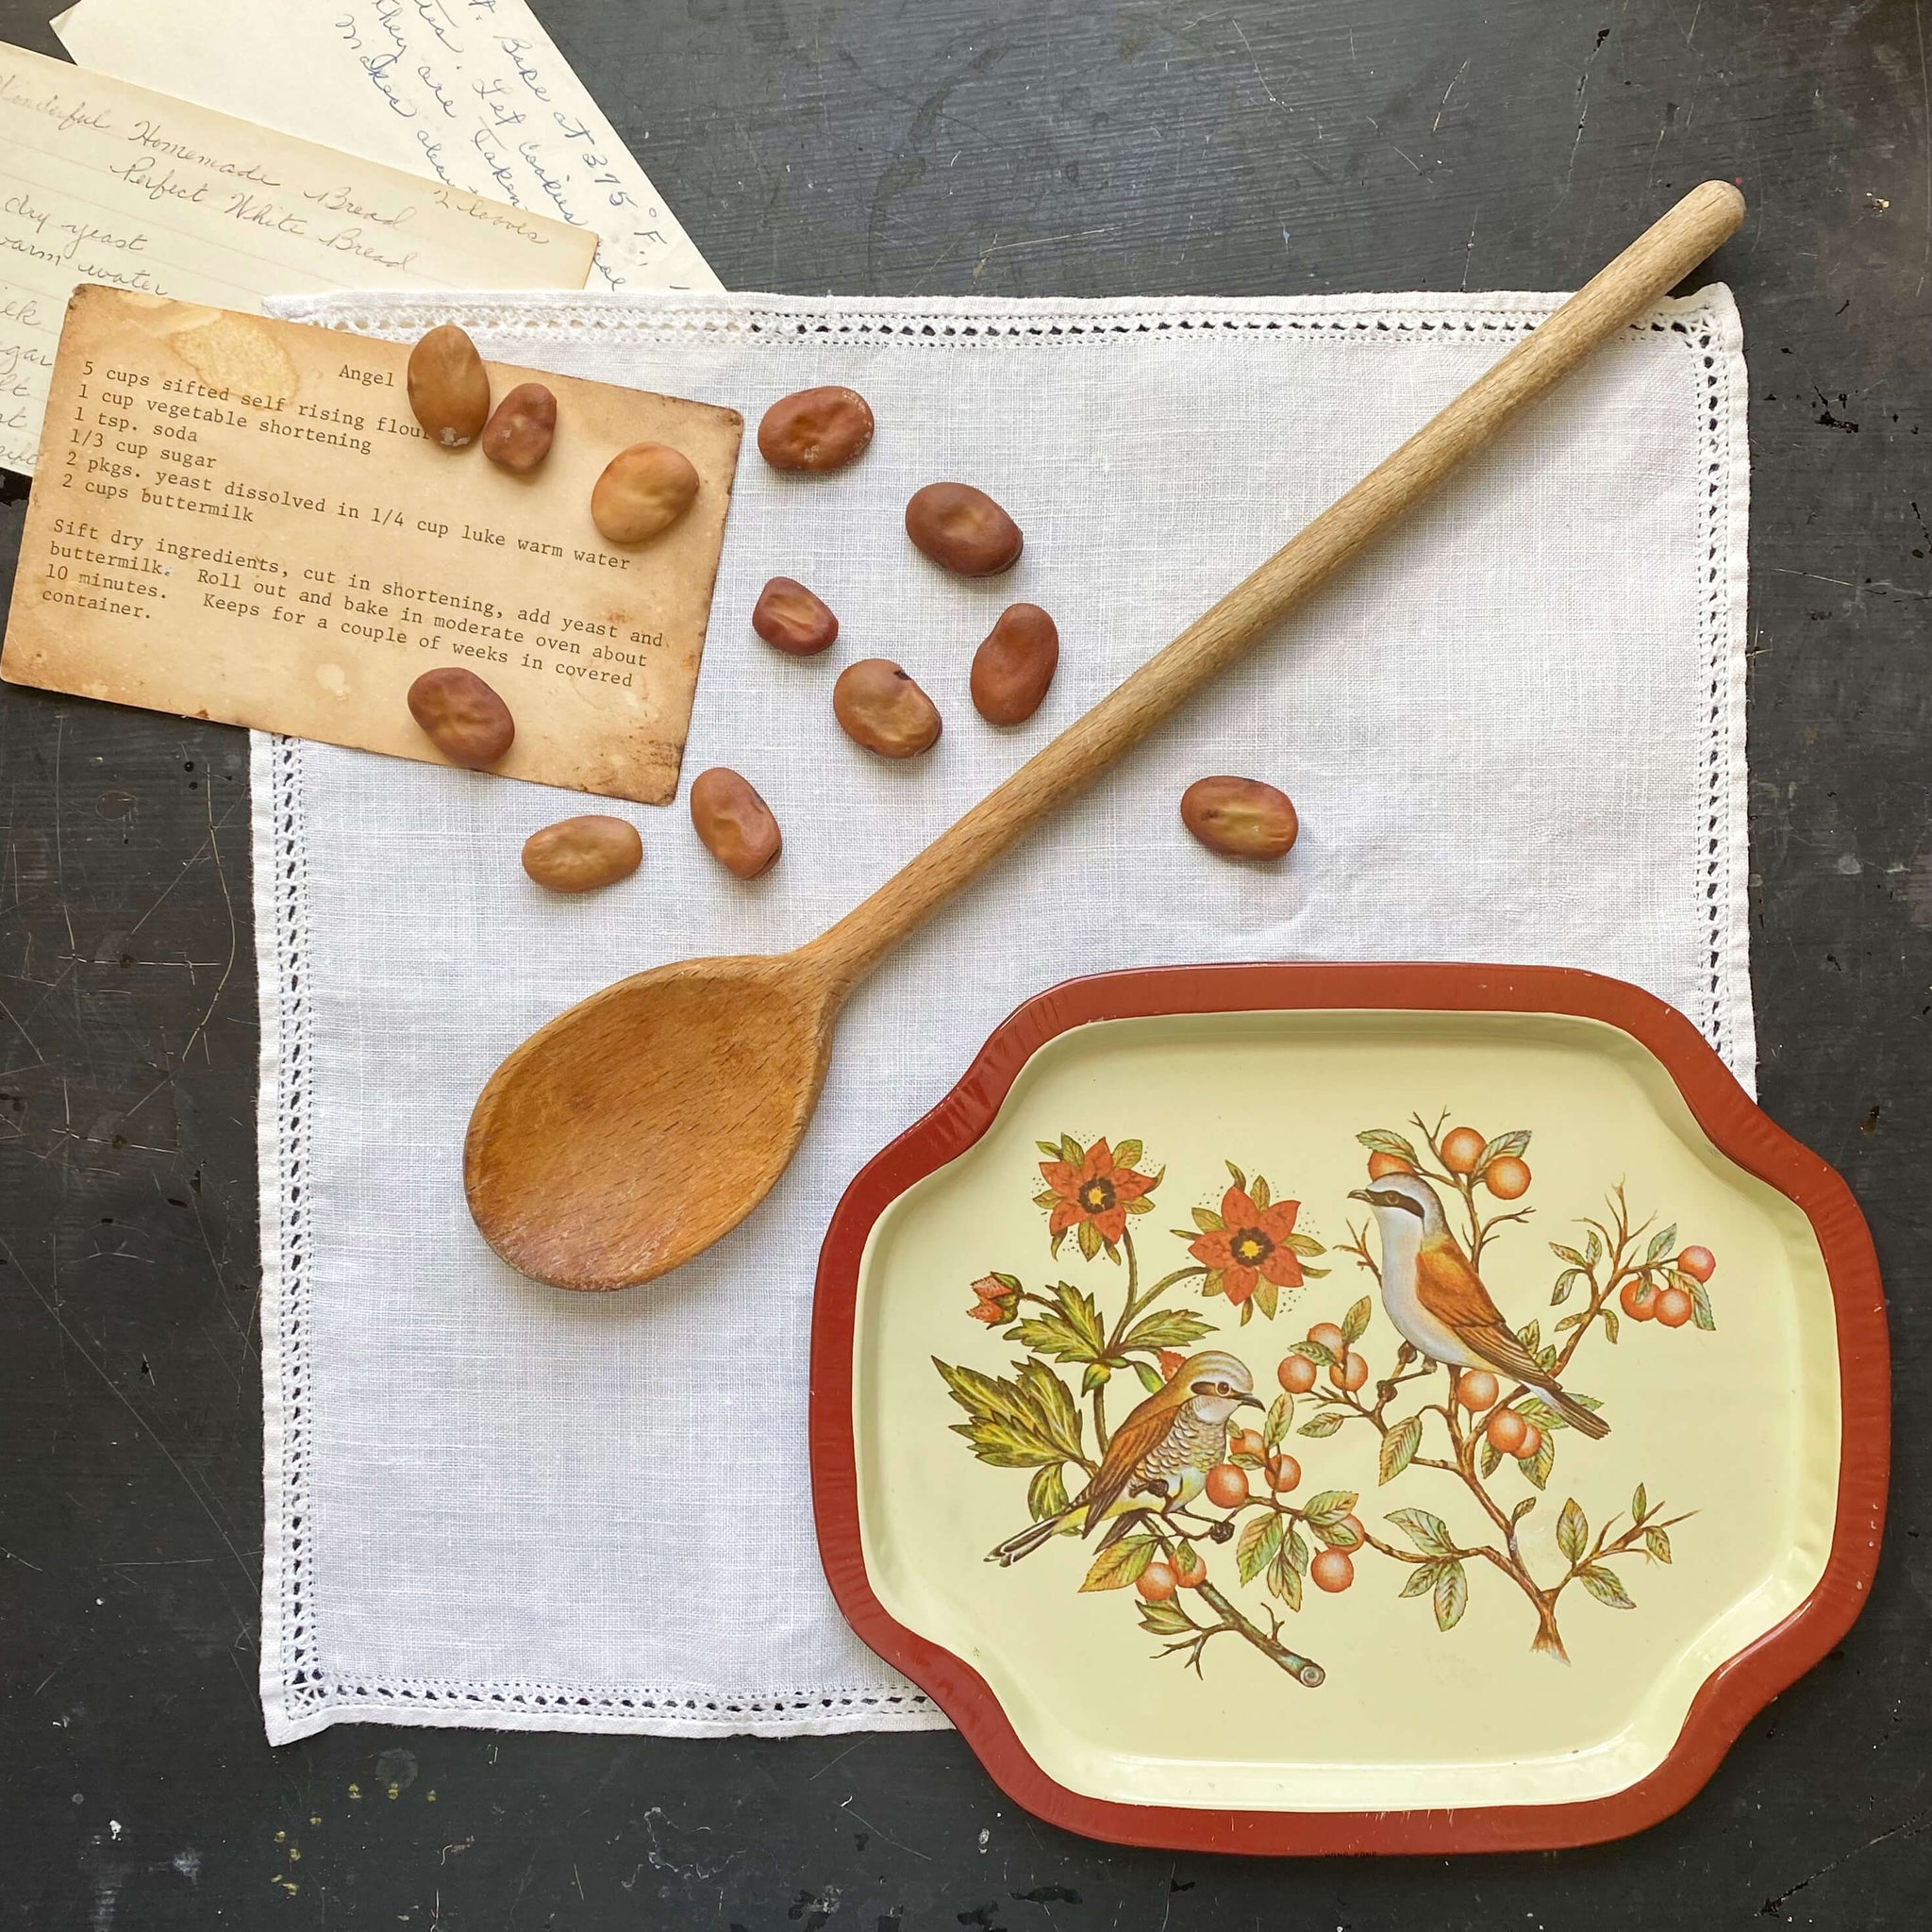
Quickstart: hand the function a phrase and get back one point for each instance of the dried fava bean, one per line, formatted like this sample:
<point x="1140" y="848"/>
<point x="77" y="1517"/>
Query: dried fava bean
<point x="879" y="707"/>
<point x="519" y="434"/>
<point x="642" y="492"/>
<point x="1013" y="669"/>
<point x="963" y="530"/>
<point x="580" y="855"/>
<point x="817" y="429"/>
<point x="1242" y="818"/>
<point x="791" y="618"/>
<point x="449" y="388"/>
<point x="466" y="721"/>
<point x="734" y="822"/>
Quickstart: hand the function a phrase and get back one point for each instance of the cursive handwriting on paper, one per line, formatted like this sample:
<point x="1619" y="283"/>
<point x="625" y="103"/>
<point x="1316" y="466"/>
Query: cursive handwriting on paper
<point x="468" y="92"/>
<point x="104" y="182"/>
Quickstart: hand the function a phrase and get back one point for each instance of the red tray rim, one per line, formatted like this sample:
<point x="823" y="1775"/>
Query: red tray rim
<point x="1728" y="1698"/>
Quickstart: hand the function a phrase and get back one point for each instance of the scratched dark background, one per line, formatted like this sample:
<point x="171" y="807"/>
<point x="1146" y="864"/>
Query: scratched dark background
<point x="1016" y="149"/>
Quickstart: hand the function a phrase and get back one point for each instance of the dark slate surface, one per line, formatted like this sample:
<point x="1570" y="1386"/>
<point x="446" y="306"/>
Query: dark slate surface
<point x="1240" y="148"/>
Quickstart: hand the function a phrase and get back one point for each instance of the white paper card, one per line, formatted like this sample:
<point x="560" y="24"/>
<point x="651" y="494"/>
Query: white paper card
<point x="469" y="92"/>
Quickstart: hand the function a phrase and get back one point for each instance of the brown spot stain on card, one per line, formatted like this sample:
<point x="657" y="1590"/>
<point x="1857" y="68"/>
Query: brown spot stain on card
<point x="235" y="352"/>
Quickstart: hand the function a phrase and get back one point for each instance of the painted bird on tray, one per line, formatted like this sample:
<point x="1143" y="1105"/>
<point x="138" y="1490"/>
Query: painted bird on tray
<point x="1164" y="1447"/>
<point x="1438" y="1301"/>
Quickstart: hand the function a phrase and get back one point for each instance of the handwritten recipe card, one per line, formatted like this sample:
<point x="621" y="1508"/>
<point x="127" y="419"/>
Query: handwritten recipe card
<point x="239" y="518"/>
<point x="469" y="92"/>
<point x="104" y="182"/>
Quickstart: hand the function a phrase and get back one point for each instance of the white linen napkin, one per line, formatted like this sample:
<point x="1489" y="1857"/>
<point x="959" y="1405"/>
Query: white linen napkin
<point x="1514" y="732"/>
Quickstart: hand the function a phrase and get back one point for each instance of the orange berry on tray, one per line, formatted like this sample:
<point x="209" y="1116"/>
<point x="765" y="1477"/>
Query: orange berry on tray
<point x="1507" y="1431"/>
<point x="1284" y="1473"/>
<point x="1351" y="1372"/>
<point x="1699" y="1264"/>
<point x="1462" y="1147"/>
<point x="1675" y="1307"/>
<point x="1190" y="1578"/>
<point x="1476" y="1389"/>
<point x="1361" y="1536"/>
<point x="1157" y="1582"/>
<point x="1296" y="1374"/>
<point x="1507" y="1178"/>
<point x="1637" y="1299"/>
<point x="1326" y="1334"/>
<point x="1331" y="1571"/>
<point x="1380" y="1163"/>
<point x="1532" y="1441"/>
<point x="1248" y="1442"/>
<point x="1227" y="1486"/>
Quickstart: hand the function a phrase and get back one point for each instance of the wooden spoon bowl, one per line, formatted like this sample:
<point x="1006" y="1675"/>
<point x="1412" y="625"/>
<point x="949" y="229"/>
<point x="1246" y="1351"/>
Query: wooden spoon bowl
<point x="648" y="1121"/>
<point x="634" y="1130"/>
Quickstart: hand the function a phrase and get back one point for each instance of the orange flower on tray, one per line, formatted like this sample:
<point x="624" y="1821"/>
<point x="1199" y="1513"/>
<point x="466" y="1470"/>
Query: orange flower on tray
<point x="1250" y="1248"/>
<point x="999" y="1299"/>
<point x="1091" y="1192"/>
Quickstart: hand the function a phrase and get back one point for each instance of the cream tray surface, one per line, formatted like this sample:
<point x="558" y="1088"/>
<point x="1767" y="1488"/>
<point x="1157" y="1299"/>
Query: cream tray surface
<point x="1294" y="1409"/>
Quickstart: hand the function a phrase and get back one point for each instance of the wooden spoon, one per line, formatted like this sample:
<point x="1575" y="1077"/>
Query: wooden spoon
<point x="635" y="1129"/>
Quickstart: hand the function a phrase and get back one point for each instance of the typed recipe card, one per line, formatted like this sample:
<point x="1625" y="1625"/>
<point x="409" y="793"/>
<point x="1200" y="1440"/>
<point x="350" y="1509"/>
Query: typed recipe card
<point x="239" y="518"/>
<point x="101" y="181"/>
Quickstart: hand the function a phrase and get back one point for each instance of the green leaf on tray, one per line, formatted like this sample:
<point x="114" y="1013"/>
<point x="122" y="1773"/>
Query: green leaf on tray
<point x="1329" y="1504"/>
<point x="1046" y="1494"/>
<point x="1284" y="1577"/>
<point x="1165" y="1618"/>
<point x="1259" y="1543"/>
<point x="1274" y="1427"/>
<point x="1425" y="1530"/>
<point x="1399" y="1446"/>
<point x="1505" y="1146"/>
<point x="1016" y="1424"/>
<point x="1422" y="1579"/>
<point x="1607" y="1588"/>
<point x="1115" y="1568"/>
<point x="1572" y="1530"/>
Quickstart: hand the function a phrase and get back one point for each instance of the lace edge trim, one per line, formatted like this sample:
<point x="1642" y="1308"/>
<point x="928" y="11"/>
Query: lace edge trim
<point x="954" y="318"/>
<point x="823" y="1724"/>
<point x="1727" y="552"/>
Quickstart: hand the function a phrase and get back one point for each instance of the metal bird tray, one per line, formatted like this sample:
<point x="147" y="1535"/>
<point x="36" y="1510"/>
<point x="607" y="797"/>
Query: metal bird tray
<point x="1203" y="1397"/>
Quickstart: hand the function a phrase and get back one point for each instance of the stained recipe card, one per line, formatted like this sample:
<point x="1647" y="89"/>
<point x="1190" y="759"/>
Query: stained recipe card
<point x="239" y="518"/>
<point x="101" y="181"/>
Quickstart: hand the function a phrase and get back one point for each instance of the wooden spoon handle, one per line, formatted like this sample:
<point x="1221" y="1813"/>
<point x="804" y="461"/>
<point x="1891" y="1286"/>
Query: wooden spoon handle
<point x="1648" y="269"/>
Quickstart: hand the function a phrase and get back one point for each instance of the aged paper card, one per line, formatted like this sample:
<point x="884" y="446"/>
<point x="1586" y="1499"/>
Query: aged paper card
<point x="239" y="518"/>
<point x="104" y="182"/>
<point x="471" y="93"/>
